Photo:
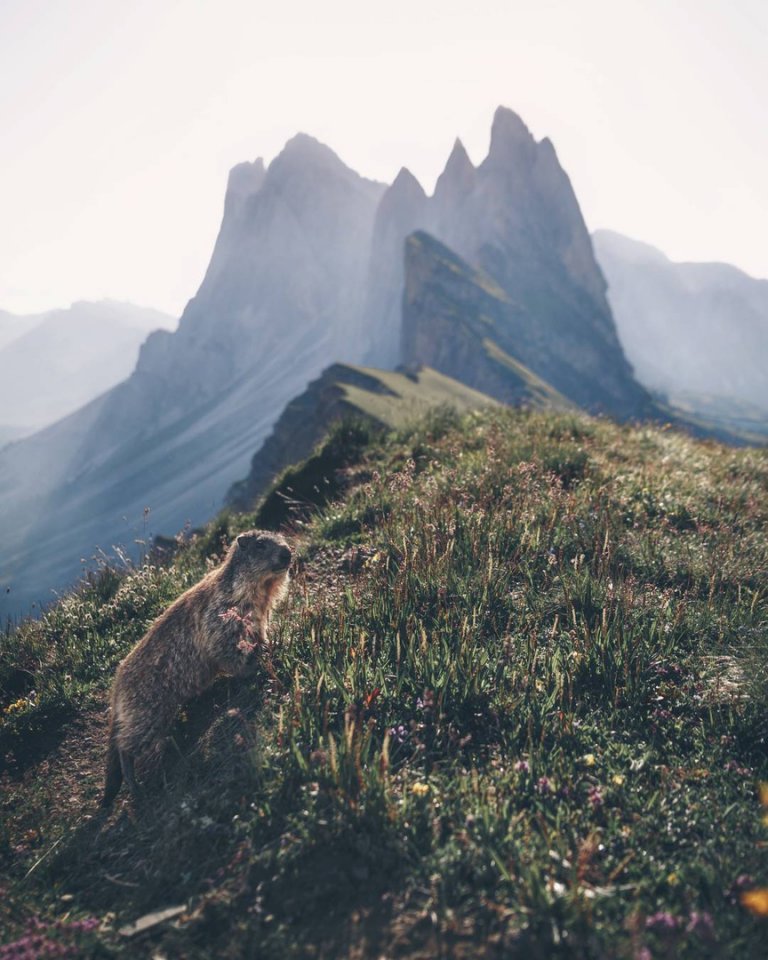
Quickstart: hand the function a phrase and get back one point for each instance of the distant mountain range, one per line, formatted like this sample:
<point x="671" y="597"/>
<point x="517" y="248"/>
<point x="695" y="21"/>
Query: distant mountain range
<point x="53" y="363"/>
<point x="488" y="288"/>
<point x="695" y="332"/>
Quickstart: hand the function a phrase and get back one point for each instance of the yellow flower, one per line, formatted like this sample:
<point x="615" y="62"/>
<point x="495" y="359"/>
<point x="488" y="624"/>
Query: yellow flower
<point x="756" y="901"/>
<point x="764" y="794"/>
<point x="673" y="879"/>
<point x="618" y="779"/>
<point x="17" y="705"/>
<point x="420" y="789"/>
<point x="588" y="760"/>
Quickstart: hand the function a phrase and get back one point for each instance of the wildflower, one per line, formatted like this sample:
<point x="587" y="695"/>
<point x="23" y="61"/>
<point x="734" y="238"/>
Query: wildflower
<point x="700" y="923"/>
<point x="522" y="766"/>
<point x="427" y="702"/>
<point x="756" y="901"/>
<point x="733" y="767"/>
<point x="663" y="922"/>
<point x="618" y="779"/>
<point x="420" y="789"/>
<point x="588" y="760"/>
<point x="673" y="880"/>
<point x="399" y="733"/>
<point x="543" y="786"/>
<point x="595" y="797"/>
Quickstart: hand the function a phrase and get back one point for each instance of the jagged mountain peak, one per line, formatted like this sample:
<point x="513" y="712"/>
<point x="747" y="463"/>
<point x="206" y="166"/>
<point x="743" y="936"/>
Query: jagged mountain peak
<point x="304" y="163"/>
<point x="458" y="174"/>
<point x="509" y="136"/>
<point x="406" y="185"/>
<point x="245" y="180"/>
<point x="404" y="197"/>
<point x="304" y="152"/>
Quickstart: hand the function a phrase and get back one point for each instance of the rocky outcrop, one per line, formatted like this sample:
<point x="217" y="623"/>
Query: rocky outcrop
<point x="515" y="217"/>
<point x="459" y="321"/>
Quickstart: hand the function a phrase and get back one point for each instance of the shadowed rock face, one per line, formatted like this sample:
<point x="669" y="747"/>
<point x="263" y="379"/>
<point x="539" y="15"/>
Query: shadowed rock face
<point x="459" y="321"/>
<point x="517" y="219"/>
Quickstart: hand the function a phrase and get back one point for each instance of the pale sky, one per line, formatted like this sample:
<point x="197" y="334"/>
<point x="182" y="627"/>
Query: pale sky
<point x="119" y="119"/>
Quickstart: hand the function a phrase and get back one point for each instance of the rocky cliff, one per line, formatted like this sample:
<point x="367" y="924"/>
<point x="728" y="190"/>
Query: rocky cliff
<point x="461" y="322"/>
<point x="516" y="218"/>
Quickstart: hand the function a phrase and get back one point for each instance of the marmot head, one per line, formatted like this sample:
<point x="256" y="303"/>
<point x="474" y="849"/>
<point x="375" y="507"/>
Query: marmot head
<point x="260" y="555"/>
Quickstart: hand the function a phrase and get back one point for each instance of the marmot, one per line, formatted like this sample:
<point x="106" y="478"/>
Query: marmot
<point x="212" y="630"/>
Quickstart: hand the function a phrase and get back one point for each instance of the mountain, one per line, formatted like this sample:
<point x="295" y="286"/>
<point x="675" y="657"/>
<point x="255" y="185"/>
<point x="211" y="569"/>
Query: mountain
<point x="516" y="218"/>
<point x="308" y="270"/>
<point x="280" y="301"/>
<point x="55" y="362"/>
<point x="458" y="320"/>
<point x="697" y="332"/>
<point x="13" y="326"/>
<point x="387" y="398"/>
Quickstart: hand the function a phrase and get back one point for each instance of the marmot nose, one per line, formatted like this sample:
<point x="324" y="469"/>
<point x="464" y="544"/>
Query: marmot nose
<point x="284" y="556"/>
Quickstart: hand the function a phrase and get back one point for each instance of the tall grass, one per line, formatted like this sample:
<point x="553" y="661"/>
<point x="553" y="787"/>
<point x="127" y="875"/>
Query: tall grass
<point x="506" y="712"/>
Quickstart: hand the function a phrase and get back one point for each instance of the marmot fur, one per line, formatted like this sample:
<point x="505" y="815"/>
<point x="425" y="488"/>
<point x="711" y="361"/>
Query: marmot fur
<point x="212" y="630"/>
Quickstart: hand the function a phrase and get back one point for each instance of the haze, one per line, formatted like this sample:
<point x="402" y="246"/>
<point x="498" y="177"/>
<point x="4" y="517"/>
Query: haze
<point x="120" y="121"/>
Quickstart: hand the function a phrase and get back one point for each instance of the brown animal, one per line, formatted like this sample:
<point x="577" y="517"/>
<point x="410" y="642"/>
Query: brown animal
<point x="212" y="630"/>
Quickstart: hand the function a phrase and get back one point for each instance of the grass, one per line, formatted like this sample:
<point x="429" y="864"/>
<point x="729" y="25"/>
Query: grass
<point x="514" y="706"/>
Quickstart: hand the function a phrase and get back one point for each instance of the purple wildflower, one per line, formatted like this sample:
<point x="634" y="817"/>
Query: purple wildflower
<point x="662" y="922"/>
<point x="399" y="733"/>
<point x="700" y="922"/>
<point x="522" y="766"/>
<point x="595" y="797"/>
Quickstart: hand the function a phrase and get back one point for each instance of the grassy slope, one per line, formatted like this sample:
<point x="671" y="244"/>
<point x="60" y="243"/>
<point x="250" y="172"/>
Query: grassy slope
<point x="382" y="398"/>
<point x="508" y="710"/>
<point x="409" y="397"/>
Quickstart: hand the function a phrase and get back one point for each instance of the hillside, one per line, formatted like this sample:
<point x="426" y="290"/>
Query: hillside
<point x="383" y="398"/>
<point x="696" y="332"/>
<point x="515" y="706"/>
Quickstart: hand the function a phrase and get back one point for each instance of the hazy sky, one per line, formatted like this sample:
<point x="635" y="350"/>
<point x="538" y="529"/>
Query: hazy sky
<point x="119" y="119"/>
